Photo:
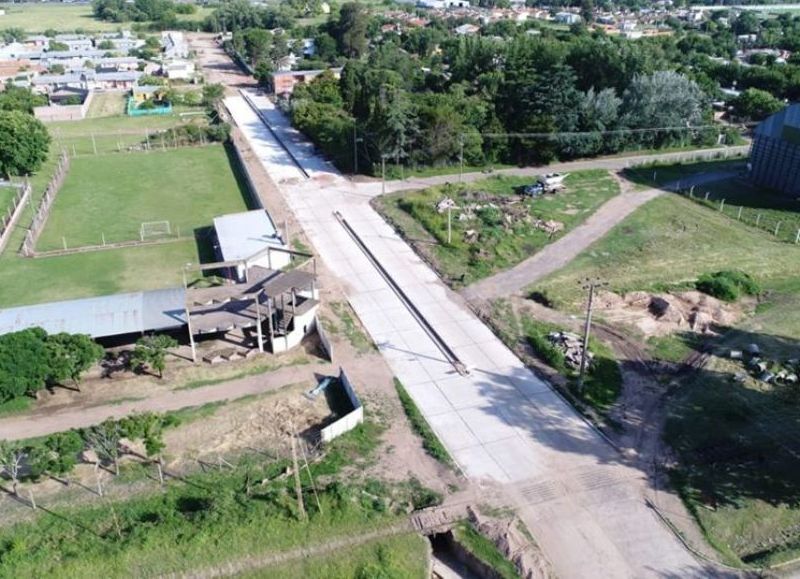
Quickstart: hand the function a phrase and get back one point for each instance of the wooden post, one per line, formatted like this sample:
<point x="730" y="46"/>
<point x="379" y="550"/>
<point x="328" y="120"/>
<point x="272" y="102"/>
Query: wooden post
<point x="739" y="216"/>
<point x="298" y="488"/>
<point x="258" y="325"/>
<point x="33" y="501"/>
<point x="758" y="219"/>
<point x="189" y="329"/>
<point x="797" y="237"/>
<point x="777" y="228"/>
<point x="722" y="205"/>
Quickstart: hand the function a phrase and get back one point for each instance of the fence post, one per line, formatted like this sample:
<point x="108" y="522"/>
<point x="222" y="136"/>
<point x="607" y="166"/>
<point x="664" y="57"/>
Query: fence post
<point x="739" y="216"/>
<point x="707" y="194"/>
<point x="722" y="205"/>
<point x="64" y="240"/>
<point x="797" y="237"/>
<point x="777" y="228"/>
<point x="758" y="219"/>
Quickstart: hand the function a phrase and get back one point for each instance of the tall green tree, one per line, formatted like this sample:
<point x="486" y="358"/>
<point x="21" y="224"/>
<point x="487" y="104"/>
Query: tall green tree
<point x="70" y="355"/>
<point x="24" y="143"/>
<point x="351" y="29"/>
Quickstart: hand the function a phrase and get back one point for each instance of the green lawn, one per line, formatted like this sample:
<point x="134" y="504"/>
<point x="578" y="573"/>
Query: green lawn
<point x="112" y="134"/>
<point x="113" y="194"/>
<point x="740" y="461"/>
<point x="107" y="104"/>
<point x="7" y="195"/>
<point x="668" y="242"/>
<point x="38" y="17"/>
<point x="402" y="557"/>
<point x="25" y="280"/>
<point x="500" y="244"/>
<point x="737" y="439"/>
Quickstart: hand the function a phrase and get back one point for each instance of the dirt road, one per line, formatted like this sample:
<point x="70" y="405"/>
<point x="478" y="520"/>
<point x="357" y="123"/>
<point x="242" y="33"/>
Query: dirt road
<point x="564" y="250"/>
<point x="31" y="426"/>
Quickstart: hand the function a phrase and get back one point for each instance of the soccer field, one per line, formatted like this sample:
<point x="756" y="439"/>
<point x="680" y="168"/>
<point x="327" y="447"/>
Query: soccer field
<point x="41" y="16"/>
<point x="112" y="195"/>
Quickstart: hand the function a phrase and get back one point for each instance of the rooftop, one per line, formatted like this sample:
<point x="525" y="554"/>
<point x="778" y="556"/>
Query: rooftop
<point x="103" y="315"/>
<point x="784" y="125"/>
<point x="242" y="235"/>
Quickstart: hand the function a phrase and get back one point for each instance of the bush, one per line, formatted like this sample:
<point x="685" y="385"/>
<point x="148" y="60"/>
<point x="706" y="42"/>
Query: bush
<point x="727" y="285"/>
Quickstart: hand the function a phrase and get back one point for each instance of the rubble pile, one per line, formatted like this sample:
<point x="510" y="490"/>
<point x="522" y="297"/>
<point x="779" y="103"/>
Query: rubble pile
<point x="572" y="346"/>
<point x="766" y="370"/>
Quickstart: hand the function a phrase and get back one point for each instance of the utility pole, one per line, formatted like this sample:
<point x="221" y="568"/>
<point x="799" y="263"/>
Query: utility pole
<point x="449" y="225"/>
<point x="356" y="141"/>
<point x="591" y="285"/>
<point x="383" y="174"/>
<point x="461" y="159"/>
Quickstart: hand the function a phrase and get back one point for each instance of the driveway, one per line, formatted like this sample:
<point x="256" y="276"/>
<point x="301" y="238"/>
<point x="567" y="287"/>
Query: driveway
<point x="502" y="425"/>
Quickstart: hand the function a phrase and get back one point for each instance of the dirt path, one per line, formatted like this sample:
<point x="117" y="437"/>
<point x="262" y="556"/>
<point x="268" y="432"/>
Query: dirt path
<point x="31" y="426"/>
<point x="564" y="250"/>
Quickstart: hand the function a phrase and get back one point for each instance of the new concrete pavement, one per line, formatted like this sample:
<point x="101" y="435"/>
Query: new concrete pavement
<point x="500" y="422"/>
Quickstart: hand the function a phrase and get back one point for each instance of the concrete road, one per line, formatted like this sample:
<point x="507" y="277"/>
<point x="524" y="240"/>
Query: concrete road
<point x="500" y="422"/>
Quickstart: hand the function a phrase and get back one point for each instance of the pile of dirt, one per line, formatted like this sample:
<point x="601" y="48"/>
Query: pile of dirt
<point x="665" y="313"/>
<point x="512" y="538"/>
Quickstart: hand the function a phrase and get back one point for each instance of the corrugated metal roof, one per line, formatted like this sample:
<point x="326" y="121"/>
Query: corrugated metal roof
<point x="773" y="126"/>
<point x="242" y="235"/>
<point x="101" y="316"/>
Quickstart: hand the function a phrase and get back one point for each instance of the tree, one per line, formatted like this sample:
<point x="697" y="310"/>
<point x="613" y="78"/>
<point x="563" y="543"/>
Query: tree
<point x="24" y="143"/>
<point x="755" y="104"/>
<point x="151" y="351"/>
<point x="104" y="440"/>
<point x="16" y="98"/>
<point x="14" y="34"/>
<point x="58" y="454"/>
<point x="664" y="99"/>
<point x="106" y="45"/>
<point x="11" y="459"/>
<point x="24" y="367"/>
<point x="70" y="355"/>
<point x="56" y="46"/>
<point x="351" y="29"/>
<point x="212" y="94"/>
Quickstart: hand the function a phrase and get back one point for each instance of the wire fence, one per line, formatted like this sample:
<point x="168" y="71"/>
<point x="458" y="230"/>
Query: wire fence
<point x="40" y="217"/>
<point x="784" y="225"/>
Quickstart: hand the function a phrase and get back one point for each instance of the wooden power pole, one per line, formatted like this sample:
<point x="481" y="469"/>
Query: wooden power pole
<point x="591" y="285"/>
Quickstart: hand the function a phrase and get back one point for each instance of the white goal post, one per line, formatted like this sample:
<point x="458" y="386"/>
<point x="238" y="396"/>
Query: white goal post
<point x="150" y="229"/>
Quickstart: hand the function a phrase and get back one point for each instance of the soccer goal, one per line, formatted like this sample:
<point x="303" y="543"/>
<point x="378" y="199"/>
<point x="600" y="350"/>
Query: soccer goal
<point x="154" y="229"/>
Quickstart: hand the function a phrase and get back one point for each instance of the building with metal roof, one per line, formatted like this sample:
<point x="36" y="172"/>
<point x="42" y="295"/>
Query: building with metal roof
<point x="775" y="152"/>
<point x="249" y="237"/>
<point x="102" y="316"/>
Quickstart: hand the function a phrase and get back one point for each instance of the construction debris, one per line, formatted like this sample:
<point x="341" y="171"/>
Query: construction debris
<point x="572" y="346"/>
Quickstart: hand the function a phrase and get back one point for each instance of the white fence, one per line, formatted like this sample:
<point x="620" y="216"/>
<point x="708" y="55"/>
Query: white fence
<point x="50" y="113"/>
<point x="39" y="219"/>
<point x="13" y="212"/>
<point x="350" y="420"/>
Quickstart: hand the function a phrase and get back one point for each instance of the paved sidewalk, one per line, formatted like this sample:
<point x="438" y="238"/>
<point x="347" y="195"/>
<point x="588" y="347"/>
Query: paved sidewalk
<point x="41" y="425"/>
<point x="559" y="253"/>
<point x="501" y="423"/>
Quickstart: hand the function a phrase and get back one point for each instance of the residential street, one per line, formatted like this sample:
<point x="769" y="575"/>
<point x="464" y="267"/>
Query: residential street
<point x="500" y="422"/>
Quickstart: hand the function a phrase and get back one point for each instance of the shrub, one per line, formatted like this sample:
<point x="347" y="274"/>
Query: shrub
<point x="727" y="285"/>
<point x="546" y="351"/>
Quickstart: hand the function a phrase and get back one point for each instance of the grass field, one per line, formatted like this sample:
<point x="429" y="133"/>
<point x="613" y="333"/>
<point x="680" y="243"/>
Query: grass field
<point x="668" y="242"/>
<point x="500" y="244"/>
<point x="208" y="519"/>
<point x="25" y="280"/>
<point x="113" y="194"/>
<point x="7" y="195"/>
<point x="38" y="17"/>
<point x="402" y="557"/>
<point x="737" y="438"/>
<point x="107" y="104"/>
<point x="114" y="134"/>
